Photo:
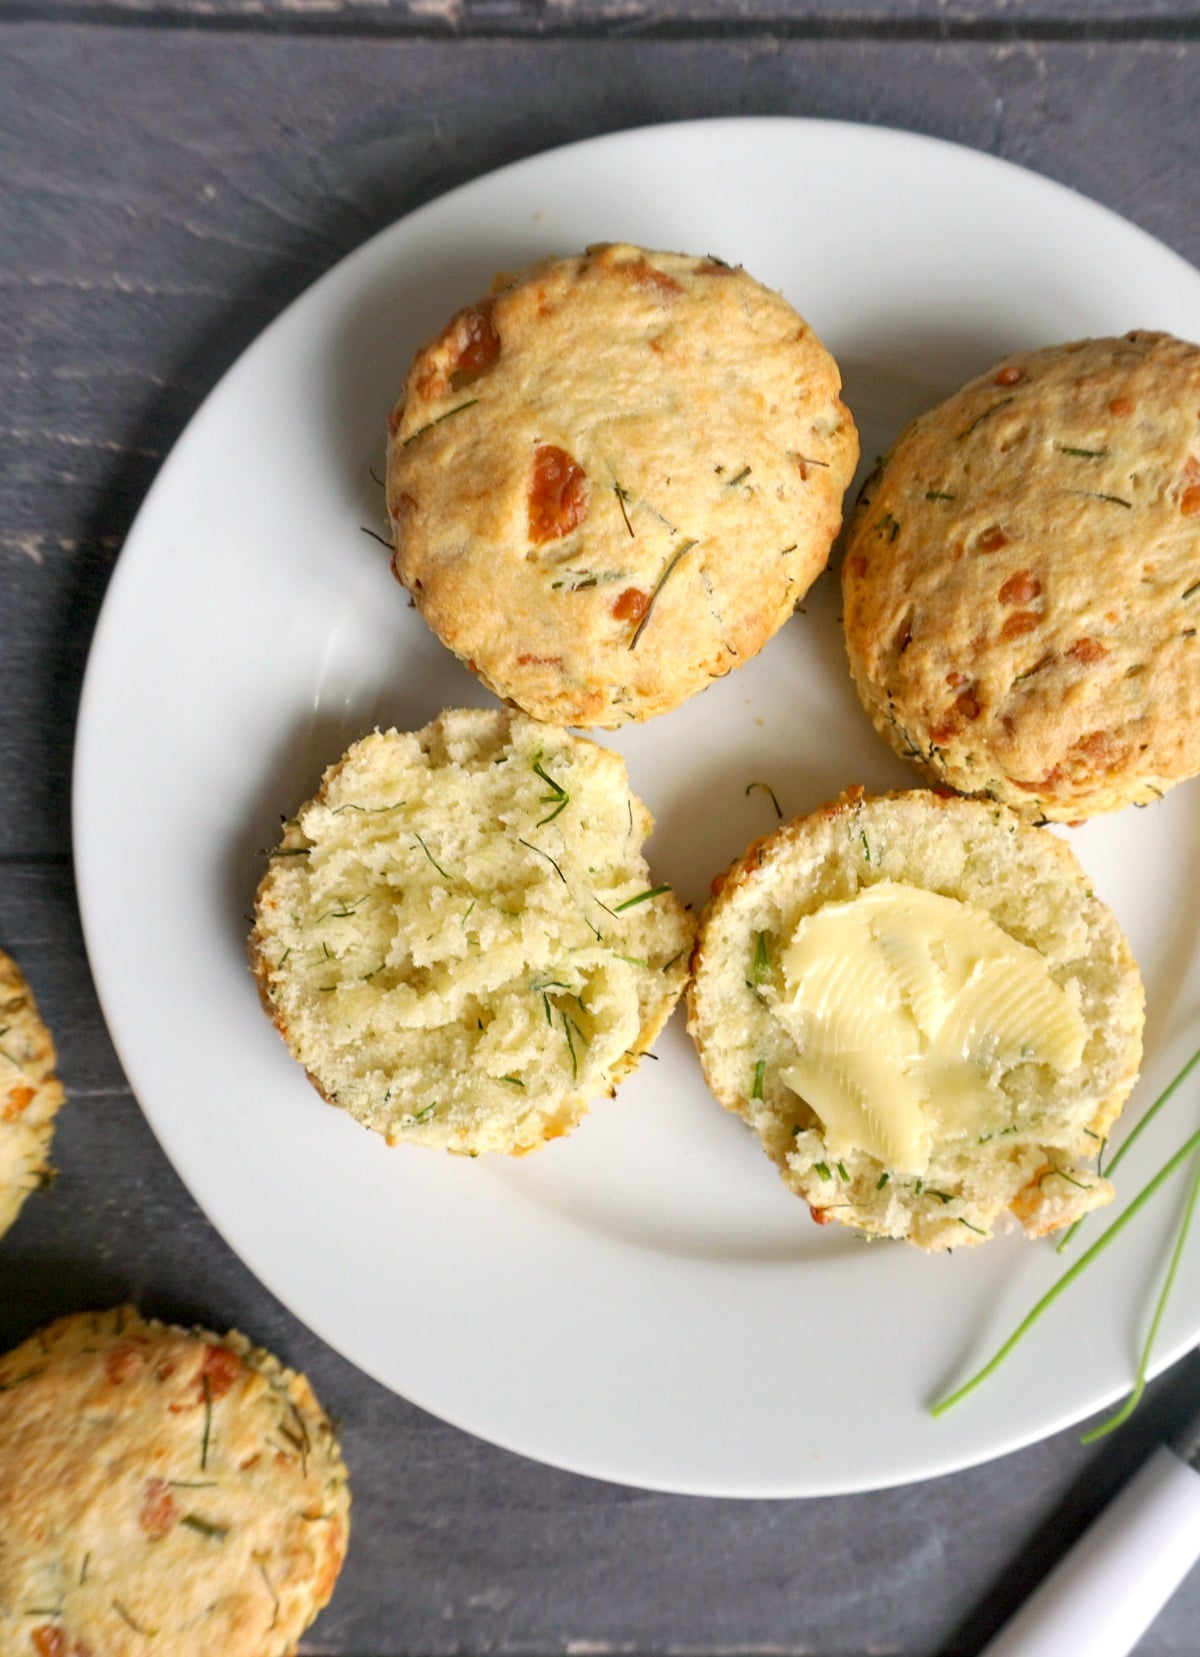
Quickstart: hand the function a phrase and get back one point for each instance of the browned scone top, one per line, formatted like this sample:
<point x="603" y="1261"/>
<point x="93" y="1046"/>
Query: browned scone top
<point x="162" y="1489"/>
<point x="1022" y="580"/>
<point x="611" y="481"/>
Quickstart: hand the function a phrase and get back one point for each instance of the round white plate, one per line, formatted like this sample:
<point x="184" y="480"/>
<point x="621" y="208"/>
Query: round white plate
<point x="642" y="1301"/>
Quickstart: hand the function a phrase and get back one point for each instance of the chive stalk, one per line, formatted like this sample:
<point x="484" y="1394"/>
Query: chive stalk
<point x="1031" y="1317"/>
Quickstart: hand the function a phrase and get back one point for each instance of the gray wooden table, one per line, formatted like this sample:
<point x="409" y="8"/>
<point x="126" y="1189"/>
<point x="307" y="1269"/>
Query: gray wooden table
<point x="174" y="171"/>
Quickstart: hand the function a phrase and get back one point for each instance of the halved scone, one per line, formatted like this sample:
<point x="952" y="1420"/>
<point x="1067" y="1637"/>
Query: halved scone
<point x="459" y="938"/>
<point x="925" y="1014"/>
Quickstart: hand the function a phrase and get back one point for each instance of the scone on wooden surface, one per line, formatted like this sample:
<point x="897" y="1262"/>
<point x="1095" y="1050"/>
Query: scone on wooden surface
<point x="459" y="938"/>
<point x="1022" y="580"/>
<point x="30" y="1093"/>
<point x="611" y="481"/>
<point x="162" y="1489"/>
<point x="924" y="1013"/>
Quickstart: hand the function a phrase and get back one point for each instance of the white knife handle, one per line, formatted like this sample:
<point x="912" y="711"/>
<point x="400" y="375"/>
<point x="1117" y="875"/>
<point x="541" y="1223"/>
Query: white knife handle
<point x="1103" y="1595"/>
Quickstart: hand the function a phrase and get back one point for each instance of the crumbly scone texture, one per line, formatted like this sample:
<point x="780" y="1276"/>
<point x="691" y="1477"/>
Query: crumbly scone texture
<point x="611" y="481"/>
<point x="1041" y="1167"/>
<point x="162" y="1489"/>
<point x="459" y="937"/>
<point x="30" y="1093"/>
<point x="1022" y="580"/>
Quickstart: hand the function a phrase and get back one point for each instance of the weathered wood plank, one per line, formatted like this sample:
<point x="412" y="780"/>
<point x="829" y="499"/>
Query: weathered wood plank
<point x="977" y="20"/>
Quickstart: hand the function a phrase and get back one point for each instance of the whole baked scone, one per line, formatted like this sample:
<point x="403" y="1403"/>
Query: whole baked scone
<point x="30" y="1093"/>
<point x="164" y="1490"/>
<point x="459" y="938"/>
<point x="1022" y="580"/>
<point x="923" y="1012"/>
<point x="612" y="480"/>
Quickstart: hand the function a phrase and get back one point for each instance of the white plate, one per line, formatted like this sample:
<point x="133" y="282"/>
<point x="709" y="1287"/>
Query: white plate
<point x="642" y="1301"/>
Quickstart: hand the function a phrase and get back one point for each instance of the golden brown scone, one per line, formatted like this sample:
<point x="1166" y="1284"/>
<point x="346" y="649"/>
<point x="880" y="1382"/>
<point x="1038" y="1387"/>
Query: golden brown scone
<point x="30" y="1093"/>
<point x="163" y="1490"/>
<point x="611" y="481"/>
<point x="923" y="1012"/>
<point x="459" y="938"/>
<point x="1022" y="580"/>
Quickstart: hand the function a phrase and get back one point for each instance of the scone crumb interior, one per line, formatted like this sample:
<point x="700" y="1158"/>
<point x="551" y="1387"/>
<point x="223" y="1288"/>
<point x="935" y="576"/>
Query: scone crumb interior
<point x="459" y="937"/>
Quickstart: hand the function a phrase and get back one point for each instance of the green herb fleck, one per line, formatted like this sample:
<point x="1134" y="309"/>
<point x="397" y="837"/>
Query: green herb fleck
<point x="669" y="570"/>
<point x="756" y="1091"/>
<point x="770" y="792"/>
<point x="1096" y="495"/>
<point x="939" y="495"/>
<point x="570" y="1047"/>
<point x="430" y="856"/>
<point x="986" y="415"/>
<point x="207" y="1423"/>
<point x="642" y="897"/>
<point x="214" y="1533"/>
<point x="146" y="1633"/>
<point x="823" y="1169"/>
<point x="841" y="1168"/>
<point x="744" y="473"/>
<point x="429" y="425"/>
<point x="531" y="847"/>
<point x="28" y="1375"/>
<point x="1084" y="454"/>
<point x="558" y="796"/>
<point x="882" y="1180"/>
<point x="514" y="1081"/>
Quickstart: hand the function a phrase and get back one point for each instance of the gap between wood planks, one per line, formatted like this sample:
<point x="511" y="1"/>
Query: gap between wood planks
<point x="926" y="21"/>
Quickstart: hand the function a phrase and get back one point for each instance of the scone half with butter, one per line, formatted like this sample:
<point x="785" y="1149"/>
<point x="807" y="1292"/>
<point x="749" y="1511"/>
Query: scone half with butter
<point x="162" y="1489"/>
<point x="644" y="453"/>
<point x="459" y="938"/>
<point x="924" y="1012"/>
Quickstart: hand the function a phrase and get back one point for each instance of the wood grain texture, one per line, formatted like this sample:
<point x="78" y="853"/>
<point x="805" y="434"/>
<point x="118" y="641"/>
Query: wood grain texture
<point x="977" y="20"/>
<point x="168" y="192"/>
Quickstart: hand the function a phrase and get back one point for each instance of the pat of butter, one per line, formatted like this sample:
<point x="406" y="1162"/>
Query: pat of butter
<point x="905" y="1008"/>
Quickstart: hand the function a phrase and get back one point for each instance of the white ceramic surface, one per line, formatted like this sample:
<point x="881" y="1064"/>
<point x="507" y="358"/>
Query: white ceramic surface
<point x="642" y="1301"/>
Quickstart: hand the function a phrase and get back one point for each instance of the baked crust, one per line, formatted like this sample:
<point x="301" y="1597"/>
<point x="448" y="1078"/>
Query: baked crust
<point x="611" y="481"/>
<point x="1040" y="1167"/>
<point x="30" y="1093"/>
<point x="1022" y="580"/>
<point x="162" y="1486"/>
